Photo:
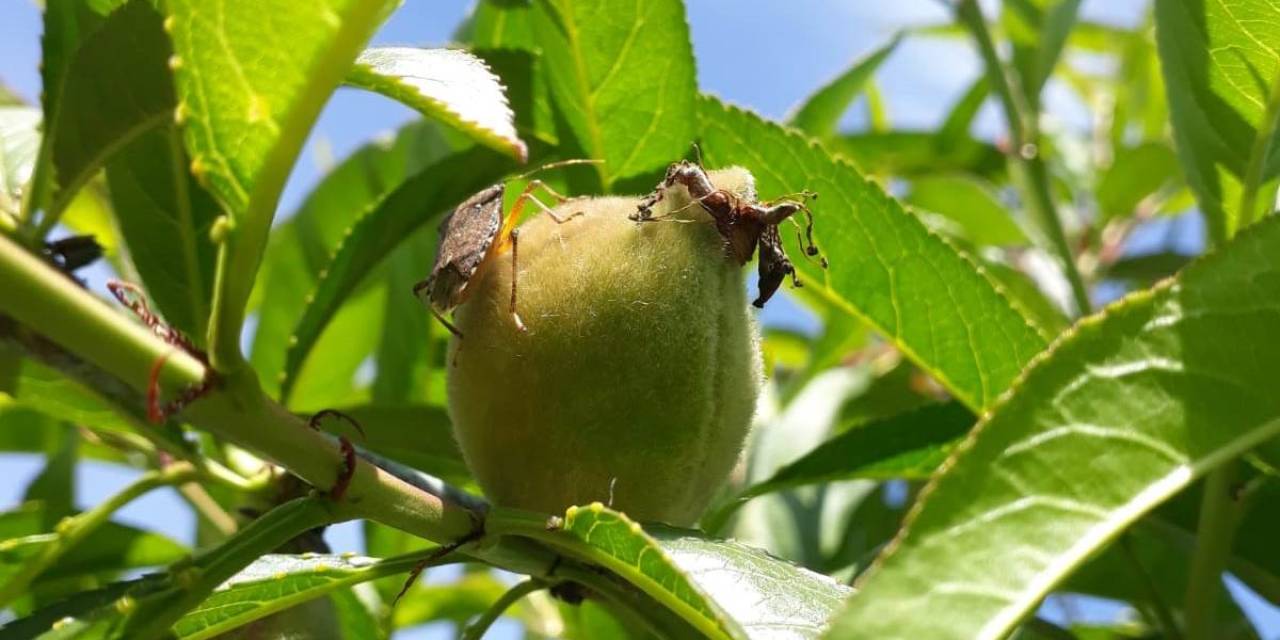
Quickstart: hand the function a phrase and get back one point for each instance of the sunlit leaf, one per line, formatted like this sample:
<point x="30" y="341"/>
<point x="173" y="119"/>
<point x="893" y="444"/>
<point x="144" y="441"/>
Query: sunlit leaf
<point x="150" y="606"/>
<point x="1219" y="72"/>
<point x="969" y="206"/>
<point x="502" y="34"/>
<point x="950" y="320"/>
<point x="251" y="79"/>
<point x="454" y="87"/>
<point x="634" y="110"/>
<point x="275" y="583"/>
<point x="721" y="588"/>
<point x="19" y="144"/>
<point x="1151" y="394"/>
<point x="112" y="547"/>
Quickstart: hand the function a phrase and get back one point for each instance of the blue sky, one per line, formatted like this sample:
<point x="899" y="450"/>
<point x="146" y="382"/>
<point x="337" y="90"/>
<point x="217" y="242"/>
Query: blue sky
<point x="756" y="53"/>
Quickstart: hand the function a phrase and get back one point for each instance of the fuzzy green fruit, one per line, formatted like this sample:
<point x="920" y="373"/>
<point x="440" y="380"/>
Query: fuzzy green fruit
<point x="637" y="377"/>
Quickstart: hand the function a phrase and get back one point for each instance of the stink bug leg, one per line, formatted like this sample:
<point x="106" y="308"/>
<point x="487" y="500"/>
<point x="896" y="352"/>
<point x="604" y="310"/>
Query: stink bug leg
<point x="132" y="297"/>
<point x="510" y="235"/>
<point x="339" y="488"/>
<point x="471" y="235"/>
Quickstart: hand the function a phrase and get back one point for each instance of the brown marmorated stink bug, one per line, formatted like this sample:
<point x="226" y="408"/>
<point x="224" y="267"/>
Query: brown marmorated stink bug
<point x="743" y="223"/>
<point x="472" y="235"/>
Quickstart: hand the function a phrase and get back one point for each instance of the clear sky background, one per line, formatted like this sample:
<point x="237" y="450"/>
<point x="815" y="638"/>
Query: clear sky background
<point x="763" y="54"/>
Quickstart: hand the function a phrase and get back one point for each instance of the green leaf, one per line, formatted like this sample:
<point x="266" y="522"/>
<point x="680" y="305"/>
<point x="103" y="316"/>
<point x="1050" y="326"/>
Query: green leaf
<point x="909" y="445"/>
<point x="277" y="582"/>
<point x="406" y="349"/>
<point x="454" y="87"/>
<point x="415" y="203"/>
<point x="626" y="106"/>
<point x="1151" y="394"/>
<point x="761" y="593"/>
<point x="55" y="395"/>
<point x="1139" y="568"/>
<point x="820" y="113"/>
<point x="111" y="548"/>
<point x="25" y="429"/>
<point x="502" y="34"/>
<point x="165" y="218"/>
<point x="908" y="153"/>
<point x="457" y="601"/>
<point x="951" y="320"/>
<point x="419" y="436"/>
<point x="721" y="588"/>
<point x="1146" y="268"/>
<point x="301" y="248"/>
<point x="67" y="23"/>
<point x="71" y="617"/>
<point x="969" y="206"/>
<point x="1026" y="295"/>
<point x="354" y="619"/>
<point x="332" y="375"/>
<point x="1219" y="71"/>
<point x="55" y="486"/>
<point x="250" y="87"/>
<point x="149" y="607"/>
<point x="1136" y="173"/>
<point x="251" y="78"/>
<point x="955" y="129"/>
<point x="19" y="145"/>
<point x="115" y="88"/>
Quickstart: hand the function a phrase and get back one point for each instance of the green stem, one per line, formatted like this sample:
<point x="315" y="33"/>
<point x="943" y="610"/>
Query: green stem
<point x="477" y="629"/>
<point x="73" y="530"/>
<point x="1023" y="131"/>
<point x="39" y="296"/>
<point x="1258" y="157"/>
<point x="208" y="508"/>
<point x="1219" y="517"/>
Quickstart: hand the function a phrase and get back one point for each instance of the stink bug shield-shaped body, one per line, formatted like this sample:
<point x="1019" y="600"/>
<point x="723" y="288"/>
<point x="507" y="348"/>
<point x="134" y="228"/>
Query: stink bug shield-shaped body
<point x="466" y="238"/>
<point x="469" y="238"/>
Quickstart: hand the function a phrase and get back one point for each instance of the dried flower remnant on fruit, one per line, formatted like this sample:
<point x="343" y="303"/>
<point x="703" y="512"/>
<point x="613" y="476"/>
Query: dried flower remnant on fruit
<point x="744" y="223"/>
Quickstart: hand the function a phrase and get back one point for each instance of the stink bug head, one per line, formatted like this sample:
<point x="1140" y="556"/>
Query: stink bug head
<point x="729" y="197"/>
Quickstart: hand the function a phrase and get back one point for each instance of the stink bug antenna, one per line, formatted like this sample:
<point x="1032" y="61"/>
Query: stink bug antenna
<point x="691" y="203"/>
<point x="697" y="153"/>
<point x="556" y="165"/>
<point x="806" y="241"/>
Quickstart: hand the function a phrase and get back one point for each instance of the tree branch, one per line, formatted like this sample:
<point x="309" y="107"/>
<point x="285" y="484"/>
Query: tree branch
<point x="121" y="353"/>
